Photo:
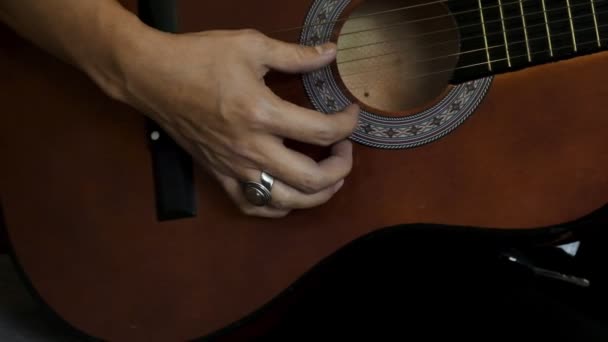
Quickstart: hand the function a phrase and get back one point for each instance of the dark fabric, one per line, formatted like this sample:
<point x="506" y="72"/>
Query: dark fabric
<point x="450" y="286"/>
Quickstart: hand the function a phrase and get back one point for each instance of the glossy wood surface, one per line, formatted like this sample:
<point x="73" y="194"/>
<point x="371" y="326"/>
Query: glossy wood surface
<point x="76" y="188"/>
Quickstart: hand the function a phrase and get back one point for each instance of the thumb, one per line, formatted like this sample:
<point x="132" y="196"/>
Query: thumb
<point x="294" y="58"/>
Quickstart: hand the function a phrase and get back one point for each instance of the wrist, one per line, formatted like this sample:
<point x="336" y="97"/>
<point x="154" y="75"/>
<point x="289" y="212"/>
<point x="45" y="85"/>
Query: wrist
<point x="123" y="41"/>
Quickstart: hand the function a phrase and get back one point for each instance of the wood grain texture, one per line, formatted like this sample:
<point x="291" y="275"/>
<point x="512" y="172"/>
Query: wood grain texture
<point x="76" y="186"/>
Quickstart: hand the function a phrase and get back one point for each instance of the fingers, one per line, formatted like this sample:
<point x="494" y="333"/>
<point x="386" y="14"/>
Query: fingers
<point x="299" y="181"/>
<point x="295" y="58"/>
<point x="302" y="172"/>
<point x="257" y="144"/>
<point x="309" y="126"/>
<point x="284" y="198"/>
<point x="289" y="120"/>
<point x="234" y="190"/>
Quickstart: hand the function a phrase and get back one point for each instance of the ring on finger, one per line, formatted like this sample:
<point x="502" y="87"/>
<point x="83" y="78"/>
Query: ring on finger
<point x="259" y="193"/>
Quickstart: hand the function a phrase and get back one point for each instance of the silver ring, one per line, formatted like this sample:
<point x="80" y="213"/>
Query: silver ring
<point x="259" y="194"/>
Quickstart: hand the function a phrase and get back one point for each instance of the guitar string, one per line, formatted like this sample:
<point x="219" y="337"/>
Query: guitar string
<point x="418" y="20"/>
<point x="482" y="63"/>
<point x="396" y="52"/>
<point x="478" y="64"/>
<point x="461" y="53"/>
<point x="457" y="28"/>
<point x="457" y="13"/>
<point x="394" y="10"/>
<point x="498" y="60"/>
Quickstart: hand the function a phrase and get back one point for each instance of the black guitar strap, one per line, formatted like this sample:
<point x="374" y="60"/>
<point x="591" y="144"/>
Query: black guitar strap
<point x="172" y="166"/>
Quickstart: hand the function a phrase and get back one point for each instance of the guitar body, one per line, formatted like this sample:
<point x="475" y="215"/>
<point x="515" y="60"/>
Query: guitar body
<point x="77" y="187"/>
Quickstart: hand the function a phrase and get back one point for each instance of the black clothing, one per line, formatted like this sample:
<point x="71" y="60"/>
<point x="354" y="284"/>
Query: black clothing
<point x="444" y="285"/>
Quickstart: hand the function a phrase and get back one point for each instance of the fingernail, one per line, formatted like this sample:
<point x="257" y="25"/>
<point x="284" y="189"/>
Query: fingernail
<point x="325" y="49"/>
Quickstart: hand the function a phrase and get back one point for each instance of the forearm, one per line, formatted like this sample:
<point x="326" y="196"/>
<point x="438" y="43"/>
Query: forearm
<point x="207" y="90"/>
<point x="96" y="36"/>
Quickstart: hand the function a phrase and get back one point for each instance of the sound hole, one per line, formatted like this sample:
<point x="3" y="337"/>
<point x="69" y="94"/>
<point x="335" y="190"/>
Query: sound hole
<point x="396" y="55"/>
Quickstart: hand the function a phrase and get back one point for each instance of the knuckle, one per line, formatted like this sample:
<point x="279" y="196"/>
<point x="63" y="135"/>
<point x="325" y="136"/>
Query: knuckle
<point x="284" y="203"/>
<point x="247" y="112"/>
<point x="258" y="114"/>
<point x="301" y="53"/>
<point x="311" y="183"/>
<point x="327" y="135"/>
<point x="250" y="32"/>
<point x="253" y="36"/>
<point x="280" y="205"/>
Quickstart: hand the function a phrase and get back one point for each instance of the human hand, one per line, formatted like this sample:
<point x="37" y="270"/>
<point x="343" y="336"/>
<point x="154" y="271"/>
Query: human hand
<point x="207" y="91"/>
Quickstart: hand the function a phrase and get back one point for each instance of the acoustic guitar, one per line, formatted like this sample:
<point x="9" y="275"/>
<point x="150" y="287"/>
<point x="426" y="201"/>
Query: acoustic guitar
<point x="475" y="113"/>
